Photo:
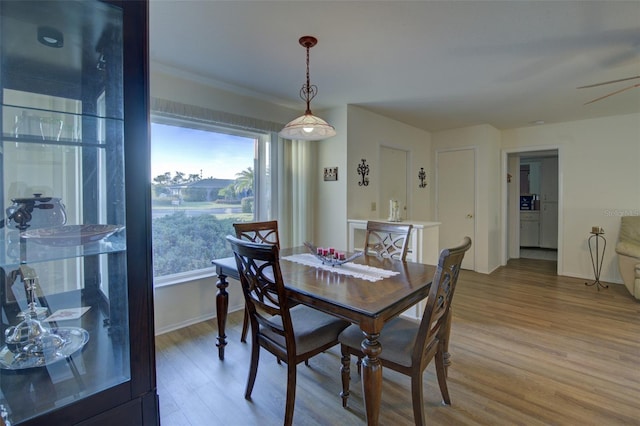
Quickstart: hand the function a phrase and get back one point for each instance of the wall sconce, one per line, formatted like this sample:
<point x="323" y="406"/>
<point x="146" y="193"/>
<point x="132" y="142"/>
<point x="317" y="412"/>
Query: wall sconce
<point x="363" y="170"/>
<point x="422" y="175"/>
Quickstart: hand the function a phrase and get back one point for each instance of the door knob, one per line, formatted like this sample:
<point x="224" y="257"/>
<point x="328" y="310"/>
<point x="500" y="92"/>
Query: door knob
<point x="469" y="216"/>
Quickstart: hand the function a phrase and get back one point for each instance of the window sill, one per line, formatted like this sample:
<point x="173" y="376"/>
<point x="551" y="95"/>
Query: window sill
<point x="184" y="277"/>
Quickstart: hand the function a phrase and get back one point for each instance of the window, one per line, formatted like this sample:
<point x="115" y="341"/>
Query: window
<point x="203" y="179"/>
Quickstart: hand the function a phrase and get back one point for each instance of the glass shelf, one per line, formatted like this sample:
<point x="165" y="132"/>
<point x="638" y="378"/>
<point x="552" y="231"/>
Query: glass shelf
<point x="14" y="251"/>
<point x="74" y="378"/>
<point x="28" y="125"/>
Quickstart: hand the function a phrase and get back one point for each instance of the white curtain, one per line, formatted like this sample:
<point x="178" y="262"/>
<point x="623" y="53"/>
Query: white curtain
<point x="296" y="200"/>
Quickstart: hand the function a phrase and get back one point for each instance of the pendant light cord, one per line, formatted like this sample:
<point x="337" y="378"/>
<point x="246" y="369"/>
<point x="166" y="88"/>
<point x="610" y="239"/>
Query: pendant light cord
<point x="308" y="91"/>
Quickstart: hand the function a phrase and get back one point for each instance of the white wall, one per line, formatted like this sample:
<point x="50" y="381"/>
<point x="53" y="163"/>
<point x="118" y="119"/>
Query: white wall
<point x="490" y="207"/>
<point x="187" y="303"/>
<point x="367" y="133"/>
<point x="360" y="135"/>
<point x="331" y="204"/>
<point x="600" y="179"/>
<point x="202" y="94"/>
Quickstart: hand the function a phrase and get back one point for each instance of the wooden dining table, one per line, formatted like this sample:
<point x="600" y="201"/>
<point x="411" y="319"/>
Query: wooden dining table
<point x="368" y="304"/>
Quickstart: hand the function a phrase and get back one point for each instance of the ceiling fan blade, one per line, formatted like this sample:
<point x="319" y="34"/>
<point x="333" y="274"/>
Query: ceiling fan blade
<point x="608" y="82"/>
<point x="613" y="93"/>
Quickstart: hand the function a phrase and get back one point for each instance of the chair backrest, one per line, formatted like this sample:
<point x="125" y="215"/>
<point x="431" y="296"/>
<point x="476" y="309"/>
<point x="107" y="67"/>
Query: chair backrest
<point x="262" y="286"/>
<point x="258" y="232"/>
<point x="387" y="239"/>
<point x="440" y="296"/>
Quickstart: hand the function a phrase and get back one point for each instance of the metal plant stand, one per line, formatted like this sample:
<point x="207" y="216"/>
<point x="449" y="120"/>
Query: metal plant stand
<point x="597" y="257"/>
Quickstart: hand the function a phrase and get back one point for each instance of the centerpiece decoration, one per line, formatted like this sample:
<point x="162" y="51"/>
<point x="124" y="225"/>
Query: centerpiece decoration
<point x="331" y="256"/>
<point x="394" y="211"/>
<point x="31" y="343"/>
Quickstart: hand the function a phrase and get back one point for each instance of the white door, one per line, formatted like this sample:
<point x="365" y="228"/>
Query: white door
<point x="393" y="182"/>
<point x="455" y="203"/>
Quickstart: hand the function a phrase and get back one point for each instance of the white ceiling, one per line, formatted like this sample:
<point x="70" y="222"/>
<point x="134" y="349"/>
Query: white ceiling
<point x="432" y="64"/>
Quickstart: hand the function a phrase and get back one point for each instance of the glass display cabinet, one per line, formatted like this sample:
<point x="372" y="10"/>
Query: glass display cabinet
<point x="75" y="276"/>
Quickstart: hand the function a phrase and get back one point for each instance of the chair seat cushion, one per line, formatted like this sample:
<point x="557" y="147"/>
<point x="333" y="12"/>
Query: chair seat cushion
<point x="397" y="339"/>
<point x="312" y="328"/>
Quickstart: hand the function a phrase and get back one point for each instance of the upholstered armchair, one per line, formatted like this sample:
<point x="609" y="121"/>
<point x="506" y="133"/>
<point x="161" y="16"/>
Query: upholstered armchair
<point x="628" y="250"/>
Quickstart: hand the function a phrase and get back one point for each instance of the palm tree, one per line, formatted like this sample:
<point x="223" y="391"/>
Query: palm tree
<point x="161" y="182"/>
<point x="228" y="192"/>
<point x="178" y="178"/>
<point x="244" y="182"/>
<point x="162" y="179"/>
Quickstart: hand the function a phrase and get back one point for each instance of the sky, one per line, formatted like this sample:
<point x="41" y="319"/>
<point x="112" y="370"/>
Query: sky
<point x="191" y="151"/>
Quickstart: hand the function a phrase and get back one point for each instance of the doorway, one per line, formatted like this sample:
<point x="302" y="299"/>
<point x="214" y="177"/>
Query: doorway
<point x="532" y="205"/>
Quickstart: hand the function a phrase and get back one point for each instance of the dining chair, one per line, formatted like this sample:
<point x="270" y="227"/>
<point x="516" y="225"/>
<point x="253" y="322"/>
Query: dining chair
<point x="407" y="346"/>
<point x="257" y="232"/>
<point x="387" y="239"/>
<point x="292" y="334"/>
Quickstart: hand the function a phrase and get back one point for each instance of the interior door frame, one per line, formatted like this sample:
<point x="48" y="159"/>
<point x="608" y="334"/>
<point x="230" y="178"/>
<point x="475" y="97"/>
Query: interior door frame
<point x="505" y="208"/>
<point x="474" y="149"/>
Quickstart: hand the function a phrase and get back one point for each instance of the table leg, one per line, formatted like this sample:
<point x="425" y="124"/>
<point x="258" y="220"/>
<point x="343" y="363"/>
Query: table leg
<point x="222" y="305"/>
<point x="371" y="377"/>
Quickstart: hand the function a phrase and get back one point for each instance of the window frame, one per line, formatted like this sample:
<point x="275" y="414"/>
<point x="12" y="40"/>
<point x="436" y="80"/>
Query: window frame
<point x="265" y="179"/>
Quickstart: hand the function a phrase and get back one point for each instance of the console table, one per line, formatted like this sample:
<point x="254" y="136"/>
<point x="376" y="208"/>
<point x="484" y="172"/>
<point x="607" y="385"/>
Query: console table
<point x="424" y="241"/>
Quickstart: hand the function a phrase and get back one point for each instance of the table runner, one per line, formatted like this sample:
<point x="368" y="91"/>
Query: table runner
<point x="356" y="270"/>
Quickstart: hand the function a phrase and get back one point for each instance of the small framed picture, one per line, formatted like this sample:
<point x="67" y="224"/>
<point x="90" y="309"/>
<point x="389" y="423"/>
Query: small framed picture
<point x="330" y="173"/>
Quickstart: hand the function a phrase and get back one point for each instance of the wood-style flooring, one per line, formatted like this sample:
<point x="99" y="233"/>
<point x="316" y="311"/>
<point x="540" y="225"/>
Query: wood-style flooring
<point x="527" y="348"/>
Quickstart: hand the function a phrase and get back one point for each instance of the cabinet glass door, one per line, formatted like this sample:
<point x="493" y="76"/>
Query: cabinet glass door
<point x="63" y="276"/>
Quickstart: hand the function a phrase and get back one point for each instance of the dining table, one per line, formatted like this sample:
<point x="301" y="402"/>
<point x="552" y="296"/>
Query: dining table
<point x="367" y="291"/>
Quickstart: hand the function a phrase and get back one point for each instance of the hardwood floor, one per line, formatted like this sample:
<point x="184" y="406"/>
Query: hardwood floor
<point x="527" y="348"/>
<point x="538" y="253"/>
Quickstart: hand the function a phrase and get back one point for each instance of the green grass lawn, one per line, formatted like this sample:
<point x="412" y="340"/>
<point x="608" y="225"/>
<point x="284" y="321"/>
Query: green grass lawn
<point x="239" y="217"/>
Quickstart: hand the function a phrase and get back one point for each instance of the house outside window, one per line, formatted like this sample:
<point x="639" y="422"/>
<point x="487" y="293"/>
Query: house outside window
<point x="204" y="178"/>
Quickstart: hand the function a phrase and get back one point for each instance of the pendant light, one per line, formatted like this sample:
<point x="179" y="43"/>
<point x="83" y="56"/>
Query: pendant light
<point x="308" y="127"/>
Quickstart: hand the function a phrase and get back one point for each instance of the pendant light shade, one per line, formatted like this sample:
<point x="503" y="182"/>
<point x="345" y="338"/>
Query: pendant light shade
<point x="308" y="127"/>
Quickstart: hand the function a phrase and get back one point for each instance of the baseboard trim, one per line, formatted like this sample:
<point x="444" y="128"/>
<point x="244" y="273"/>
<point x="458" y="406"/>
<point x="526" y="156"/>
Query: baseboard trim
<point x="191" y="321"/>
